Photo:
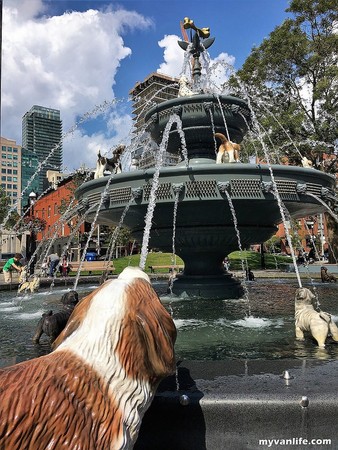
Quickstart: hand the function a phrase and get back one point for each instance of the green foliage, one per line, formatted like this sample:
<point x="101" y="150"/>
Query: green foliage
<point x="5" y="203"/>
<point x="291" y="80"/>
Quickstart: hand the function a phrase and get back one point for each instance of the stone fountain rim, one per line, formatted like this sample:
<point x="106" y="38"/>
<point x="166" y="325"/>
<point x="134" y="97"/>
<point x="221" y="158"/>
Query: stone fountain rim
<point x="207" y="169"/>
<point x="199" y="98"/>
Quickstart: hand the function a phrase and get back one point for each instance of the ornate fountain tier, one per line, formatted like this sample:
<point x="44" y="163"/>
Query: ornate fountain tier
<point x="201" y="117"/>
<point x="205" y="232"/>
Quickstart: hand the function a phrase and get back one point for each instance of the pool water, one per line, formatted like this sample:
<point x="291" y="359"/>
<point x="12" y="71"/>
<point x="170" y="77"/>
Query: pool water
<point x="259" y="327"/>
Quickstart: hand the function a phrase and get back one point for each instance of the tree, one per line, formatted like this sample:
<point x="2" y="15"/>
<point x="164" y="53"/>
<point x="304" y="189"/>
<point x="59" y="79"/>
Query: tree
<point x="5" y="202"/>
<point x="291" y="80"/>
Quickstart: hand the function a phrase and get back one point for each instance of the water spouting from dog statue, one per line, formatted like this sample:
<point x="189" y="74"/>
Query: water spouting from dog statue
<point x="209" y="192"/>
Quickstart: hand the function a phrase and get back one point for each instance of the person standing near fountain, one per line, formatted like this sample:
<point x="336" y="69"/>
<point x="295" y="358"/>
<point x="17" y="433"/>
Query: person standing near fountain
<point x="53" y="260"/>
<point x="12" y="263"/>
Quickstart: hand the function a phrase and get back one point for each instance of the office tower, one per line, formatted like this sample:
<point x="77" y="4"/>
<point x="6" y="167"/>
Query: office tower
<point x="42" y="134"/>
<point x="29" y="182"/>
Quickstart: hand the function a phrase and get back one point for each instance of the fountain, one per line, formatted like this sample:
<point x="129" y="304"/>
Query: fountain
<point x="205" y="233"/>
<point x="242" y="381"/>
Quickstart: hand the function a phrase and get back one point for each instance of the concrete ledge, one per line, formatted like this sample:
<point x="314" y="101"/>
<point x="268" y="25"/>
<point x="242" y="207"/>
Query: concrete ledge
<point x="235" y="404"/>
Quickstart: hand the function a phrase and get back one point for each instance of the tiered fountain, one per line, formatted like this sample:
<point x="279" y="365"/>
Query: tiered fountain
<point x="229" y="391"/>
<point x="208" y="193"/>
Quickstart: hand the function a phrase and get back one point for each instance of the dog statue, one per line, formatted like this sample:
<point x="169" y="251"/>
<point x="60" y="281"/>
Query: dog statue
<point x="185" y="87"/>
<point x="52" y="324"/>
<point x="307" y="163"/>
<point x="318" y="323"/>
<point x="111" y="164"/>
<point x="228" y="152"/>
<point x="92" y="391"/>
<point x="326" y="276"/>
<point x="23" y="277"/>
<point x="32" y="285"/>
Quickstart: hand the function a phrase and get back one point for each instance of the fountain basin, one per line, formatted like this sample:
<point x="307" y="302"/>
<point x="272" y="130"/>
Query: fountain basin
<point x="201" y="116"/>
<point x="205" y="231"/>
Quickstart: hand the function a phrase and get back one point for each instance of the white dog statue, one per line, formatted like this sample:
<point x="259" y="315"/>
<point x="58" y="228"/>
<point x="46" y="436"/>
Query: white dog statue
<point x="318" y="323"/>
<point x="185" y="87"/>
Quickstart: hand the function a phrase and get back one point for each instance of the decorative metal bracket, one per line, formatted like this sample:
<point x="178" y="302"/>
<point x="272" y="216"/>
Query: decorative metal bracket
<point x="178" y="109"/>
<point x="177" y="187"/>
<point x="301" y="188"/>
<point x="268" y="187"/>
<point x="136" y="193"/>
<point x="208" y="106"/>
<point x="224" y="186"/>
<point x="105" y="198"/>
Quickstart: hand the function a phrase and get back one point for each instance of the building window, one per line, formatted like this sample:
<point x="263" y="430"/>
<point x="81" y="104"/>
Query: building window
<point x="9" y="171"/>
<point x="15" y="156"/>
<point x="3" y="148"/>
<point x="9" y="186"/>
<point x="4" y="156"/>
<point x="3" y="178"/>
<point x="48" y="210"/>
<point x="15" y="172"/>
<point x="15" y="164"/>
<point x="15" y="186"/>
<point x="3" y="171"/>
<point x="15" y="150"/>
<point x="15" y="179"/>
<point x="43" y="213"/>
<point x="9" y="149"/>
<point x="9" y="179"/>
<point x="55" y="209"/>
<point x="9" y="156"/>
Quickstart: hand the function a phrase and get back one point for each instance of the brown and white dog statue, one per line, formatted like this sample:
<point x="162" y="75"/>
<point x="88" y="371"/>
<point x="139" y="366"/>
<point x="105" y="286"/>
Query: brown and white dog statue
<point x="228" y="152"/>
<point x="111" y="164"/>
<point x="92" y="391"/>
<point x="318" y="323"/>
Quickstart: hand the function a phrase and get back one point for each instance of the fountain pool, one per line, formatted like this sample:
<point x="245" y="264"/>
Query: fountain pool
<point x="213" y="331"/>
<point x="228" y="390"/>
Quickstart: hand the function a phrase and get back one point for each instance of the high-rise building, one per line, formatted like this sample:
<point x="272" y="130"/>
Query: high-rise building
<point x="155" y="89"/>
<point x="10" y="168"/>
<point x="29" y="179"/>
<point x="42" y="134"/>
<point x="10" y="160"/>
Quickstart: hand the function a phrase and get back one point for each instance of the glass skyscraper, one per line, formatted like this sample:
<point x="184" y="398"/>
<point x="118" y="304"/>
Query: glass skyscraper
<point x="42" y="134"/>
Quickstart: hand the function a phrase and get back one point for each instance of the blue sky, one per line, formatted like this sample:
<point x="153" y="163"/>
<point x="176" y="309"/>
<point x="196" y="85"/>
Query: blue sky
<point x="76" y="55"/>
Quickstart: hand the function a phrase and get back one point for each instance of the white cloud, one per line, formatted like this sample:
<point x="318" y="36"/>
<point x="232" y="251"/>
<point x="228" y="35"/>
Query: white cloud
<point x="219" y="68"/>
<point x="67" y="62"/>
<point x="173" y="56"/>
